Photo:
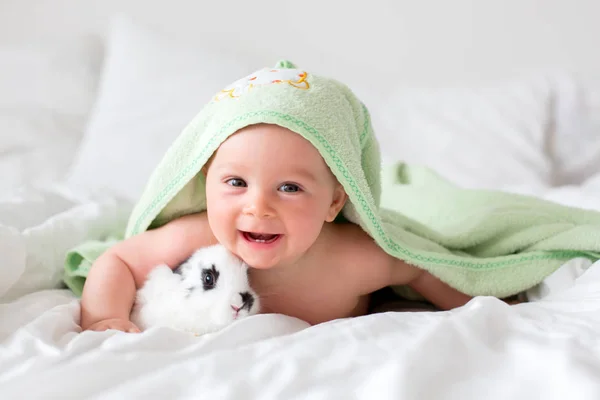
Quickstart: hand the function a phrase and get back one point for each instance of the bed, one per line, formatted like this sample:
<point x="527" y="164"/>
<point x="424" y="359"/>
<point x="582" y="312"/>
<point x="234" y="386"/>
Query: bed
<point x="90" y="99"/>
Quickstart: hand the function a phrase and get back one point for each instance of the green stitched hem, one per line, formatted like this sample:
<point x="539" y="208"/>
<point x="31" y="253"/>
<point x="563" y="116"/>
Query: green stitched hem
<point x="357" y="197"/>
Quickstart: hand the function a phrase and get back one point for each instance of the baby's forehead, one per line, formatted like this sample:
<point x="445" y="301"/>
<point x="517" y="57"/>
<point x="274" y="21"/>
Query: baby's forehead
<point x="272" y="140"/>
<point x="274" y="146"/>
<point x="262" y="129"/>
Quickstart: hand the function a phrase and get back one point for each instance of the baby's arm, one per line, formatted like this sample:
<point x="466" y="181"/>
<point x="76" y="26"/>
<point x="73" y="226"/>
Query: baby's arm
<point x="110" y="288"/>
<point x="397" y="272"/>
<point x="440" y="294"/>
<point x="372" y="269"/>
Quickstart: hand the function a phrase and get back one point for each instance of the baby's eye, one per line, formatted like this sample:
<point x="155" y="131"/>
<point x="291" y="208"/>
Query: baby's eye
<point x="289" y="188"/>
<point x="236" y="182"/>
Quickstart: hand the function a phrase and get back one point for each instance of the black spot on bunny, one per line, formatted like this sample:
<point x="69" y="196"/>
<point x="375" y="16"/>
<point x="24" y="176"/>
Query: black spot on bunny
<point x="247" y="300"/>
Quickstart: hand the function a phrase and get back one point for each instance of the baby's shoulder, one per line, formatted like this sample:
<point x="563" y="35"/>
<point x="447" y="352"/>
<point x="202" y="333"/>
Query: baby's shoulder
<point x="355" y="259"/>
<point x="348" y="243"/>
<point x="349" y="235"/>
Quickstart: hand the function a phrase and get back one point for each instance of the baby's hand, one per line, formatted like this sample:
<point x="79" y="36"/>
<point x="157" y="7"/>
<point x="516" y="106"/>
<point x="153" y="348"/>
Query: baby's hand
<point x="114" y="323"/>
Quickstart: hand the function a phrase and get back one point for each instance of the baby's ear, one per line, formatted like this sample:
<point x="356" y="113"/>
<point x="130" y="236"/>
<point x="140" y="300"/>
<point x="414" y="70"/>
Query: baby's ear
<point x="337" y="203"/>
<point x="206" y="165"/>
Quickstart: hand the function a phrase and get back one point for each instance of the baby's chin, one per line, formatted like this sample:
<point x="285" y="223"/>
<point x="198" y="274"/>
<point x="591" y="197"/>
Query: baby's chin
<point x="255" y="258"/>
<point x="262" y="259"/>
<point x="258" y="262"/>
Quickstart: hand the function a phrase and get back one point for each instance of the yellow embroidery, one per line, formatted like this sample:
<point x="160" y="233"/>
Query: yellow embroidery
<point x="293" y="77"/>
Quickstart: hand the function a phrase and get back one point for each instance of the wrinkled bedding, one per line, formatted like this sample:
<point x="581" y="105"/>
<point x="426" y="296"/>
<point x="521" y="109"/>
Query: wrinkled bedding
<point x="532" y="134"/>
<point x="549" y="348"/>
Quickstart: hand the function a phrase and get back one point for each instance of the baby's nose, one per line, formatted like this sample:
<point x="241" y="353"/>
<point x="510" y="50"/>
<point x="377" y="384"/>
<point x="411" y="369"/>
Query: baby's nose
<point x="259" y="206"/>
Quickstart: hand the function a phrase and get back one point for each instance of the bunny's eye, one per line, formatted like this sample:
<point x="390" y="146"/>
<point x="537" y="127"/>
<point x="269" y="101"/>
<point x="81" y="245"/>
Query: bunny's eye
<point x="210" y="278"/>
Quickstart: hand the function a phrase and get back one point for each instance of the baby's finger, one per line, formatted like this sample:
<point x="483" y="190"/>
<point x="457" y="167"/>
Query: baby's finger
<point x="134" y="329"/>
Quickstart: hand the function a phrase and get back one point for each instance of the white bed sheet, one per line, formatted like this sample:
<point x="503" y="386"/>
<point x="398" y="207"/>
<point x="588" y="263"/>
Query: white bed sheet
<point x="549" y="349"/>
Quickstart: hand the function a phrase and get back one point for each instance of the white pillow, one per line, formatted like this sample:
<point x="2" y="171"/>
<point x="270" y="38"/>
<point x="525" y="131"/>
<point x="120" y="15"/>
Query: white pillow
<point x="46" y="93"/>
<point x="151" y="87"/>
<point x="575" y="145"/>
<point x="489" y="137"/>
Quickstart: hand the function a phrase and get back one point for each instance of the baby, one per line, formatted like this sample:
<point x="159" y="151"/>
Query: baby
<point x="271" y="199"/>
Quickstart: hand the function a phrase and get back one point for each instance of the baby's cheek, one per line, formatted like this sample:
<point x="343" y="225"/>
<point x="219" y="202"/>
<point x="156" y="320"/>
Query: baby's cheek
<point x="307" y="230"/>
<point x="220" y="221"/>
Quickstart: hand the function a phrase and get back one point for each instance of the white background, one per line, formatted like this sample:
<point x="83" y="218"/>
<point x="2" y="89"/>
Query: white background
<point x="418" y="43"/>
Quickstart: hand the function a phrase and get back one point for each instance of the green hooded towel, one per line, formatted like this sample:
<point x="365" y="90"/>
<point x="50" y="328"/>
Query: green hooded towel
<point x="479" y="242"/>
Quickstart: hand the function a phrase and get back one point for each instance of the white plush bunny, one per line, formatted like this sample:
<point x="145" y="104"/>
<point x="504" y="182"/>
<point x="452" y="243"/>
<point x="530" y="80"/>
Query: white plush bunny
<point x="205" y="293"/>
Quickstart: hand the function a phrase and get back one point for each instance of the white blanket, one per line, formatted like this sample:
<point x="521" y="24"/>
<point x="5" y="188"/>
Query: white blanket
<point x="548" y="349"/>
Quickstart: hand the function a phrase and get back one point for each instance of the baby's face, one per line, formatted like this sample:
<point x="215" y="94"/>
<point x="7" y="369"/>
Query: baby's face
<point x="268" y="193"/>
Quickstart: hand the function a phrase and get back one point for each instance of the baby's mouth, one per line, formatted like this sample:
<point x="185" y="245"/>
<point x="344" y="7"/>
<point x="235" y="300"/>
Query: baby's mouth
<point x="260" y="237"/>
